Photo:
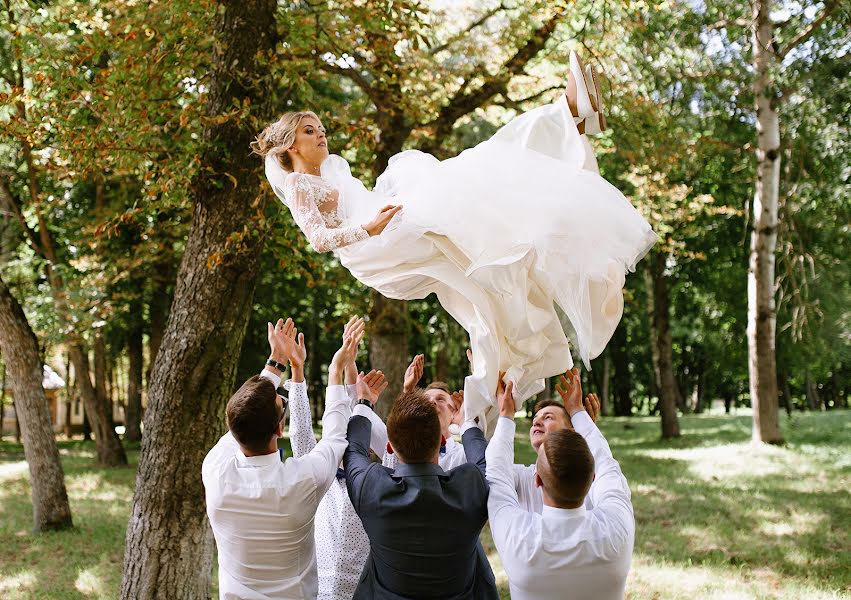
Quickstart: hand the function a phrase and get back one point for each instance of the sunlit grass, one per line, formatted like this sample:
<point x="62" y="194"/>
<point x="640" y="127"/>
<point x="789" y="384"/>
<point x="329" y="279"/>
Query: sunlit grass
<point x="717" y="517"/>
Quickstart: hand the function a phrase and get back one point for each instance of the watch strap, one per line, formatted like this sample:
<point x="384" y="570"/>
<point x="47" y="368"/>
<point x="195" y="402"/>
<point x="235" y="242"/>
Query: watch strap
<point x="276" y="365"/>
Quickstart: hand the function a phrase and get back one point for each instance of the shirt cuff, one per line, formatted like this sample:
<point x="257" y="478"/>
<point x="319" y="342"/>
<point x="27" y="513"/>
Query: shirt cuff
<point x="469" y="425"/>
<point x="582" y="423"/>
<point x="362" y="410"/>
<point x="289" y="384"/>
<point x="275" y="379"/>
<point x="335" y="394"/>
<point x="506" y="423"/>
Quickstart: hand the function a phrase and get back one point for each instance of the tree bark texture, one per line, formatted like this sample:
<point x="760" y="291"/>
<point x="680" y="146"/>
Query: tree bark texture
<point x="169" y="543"/>
<point x="762" y="317"/>
<point x="660" y="336"/>
<point x="19" y="347"/>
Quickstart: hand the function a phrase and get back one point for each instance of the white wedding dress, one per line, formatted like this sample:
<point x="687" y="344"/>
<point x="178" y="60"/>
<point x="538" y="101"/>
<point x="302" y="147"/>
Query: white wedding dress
<point x="501" y="234"/>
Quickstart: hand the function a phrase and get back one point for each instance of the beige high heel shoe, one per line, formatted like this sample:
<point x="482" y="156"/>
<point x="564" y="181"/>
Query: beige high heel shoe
<point x="597" y="124"/>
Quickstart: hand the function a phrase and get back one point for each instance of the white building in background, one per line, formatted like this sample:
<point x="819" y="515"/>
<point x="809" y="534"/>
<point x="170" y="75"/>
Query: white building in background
<point x="52" y="384"/>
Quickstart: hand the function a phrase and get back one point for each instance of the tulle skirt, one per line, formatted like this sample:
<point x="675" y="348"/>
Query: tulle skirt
<point x="504" y="234"/>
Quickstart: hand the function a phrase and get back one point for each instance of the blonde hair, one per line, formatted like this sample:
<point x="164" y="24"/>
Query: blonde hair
<point x="278" y="137"/>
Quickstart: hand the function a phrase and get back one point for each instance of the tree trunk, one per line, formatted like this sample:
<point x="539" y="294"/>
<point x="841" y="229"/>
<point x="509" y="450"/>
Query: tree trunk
<point x="762" y="317"/>
<point x="2" y="398"/>
<point x="158" y="308"/>
<point x="20" y="351"/>
<point x="813" y="400"/>
<point x="110" y="452"/>
<point x="786" y="393"/>
<point x="660" y="336"/>
<point x="604" y="386"/>
<point x="101" y="376"/>
<point x="169" y="544"/>
<point x="388" y="346"/>
<point x="133" y="411"/>
<point x="623" y="379"/>
<point x="69" y="397"/>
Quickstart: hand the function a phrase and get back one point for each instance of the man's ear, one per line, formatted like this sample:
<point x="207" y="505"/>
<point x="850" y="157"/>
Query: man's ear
<point x="389" y="448"/>
<point x="538" y="481"/>
<point x="279" y="432"/>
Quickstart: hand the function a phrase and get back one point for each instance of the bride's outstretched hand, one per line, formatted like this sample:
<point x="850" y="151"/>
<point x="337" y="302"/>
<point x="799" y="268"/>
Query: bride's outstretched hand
<point x="377" y="225"/>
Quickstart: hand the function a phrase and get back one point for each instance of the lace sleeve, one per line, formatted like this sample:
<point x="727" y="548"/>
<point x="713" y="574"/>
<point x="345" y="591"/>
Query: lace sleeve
<point x="302" y="201"/>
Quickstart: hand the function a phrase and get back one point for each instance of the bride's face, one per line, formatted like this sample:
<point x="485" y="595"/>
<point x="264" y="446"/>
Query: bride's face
<point x="310" y="144"/>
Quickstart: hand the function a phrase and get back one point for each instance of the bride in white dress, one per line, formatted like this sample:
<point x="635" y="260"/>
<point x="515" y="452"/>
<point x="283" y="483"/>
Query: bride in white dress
<point x="501" y="233"/>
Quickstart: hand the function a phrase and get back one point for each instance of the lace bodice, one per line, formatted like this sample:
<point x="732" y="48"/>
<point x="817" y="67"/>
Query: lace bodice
<point x="315" y="207"/>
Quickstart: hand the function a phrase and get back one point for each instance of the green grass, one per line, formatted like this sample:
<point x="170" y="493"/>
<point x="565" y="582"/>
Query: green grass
<point x="717" y="517"/>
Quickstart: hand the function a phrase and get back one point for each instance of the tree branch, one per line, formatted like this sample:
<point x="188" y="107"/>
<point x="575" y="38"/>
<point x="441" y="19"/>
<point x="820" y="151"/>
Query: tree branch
<point x="803" y="36"/>
<point x="464" y="103"/>
<point x="13" y="205"/>
<point x="477" y="23"/>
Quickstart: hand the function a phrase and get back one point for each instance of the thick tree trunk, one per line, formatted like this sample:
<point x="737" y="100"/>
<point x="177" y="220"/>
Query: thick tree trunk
<point x="19" y="347"/>
<point x="623" y="379"/>
<point x="762" y="317"/>
<point x="169" y="544"/>
<point x="388" y="346"/>
<point x="133" y="411"/>
<point x="110" y="452"/>
<point x="660" y="336"/>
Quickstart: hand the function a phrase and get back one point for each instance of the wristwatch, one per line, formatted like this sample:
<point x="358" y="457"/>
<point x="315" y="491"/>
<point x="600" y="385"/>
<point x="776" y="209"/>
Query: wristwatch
<point x="366" y="402"/>
<point x="276" y="365"/>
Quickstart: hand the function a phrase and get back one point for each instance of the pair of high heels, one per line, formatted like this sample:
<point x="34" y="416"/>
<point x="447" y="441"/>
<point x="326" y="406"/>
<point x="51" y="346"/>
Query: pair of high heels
<point x="587" y="100"/>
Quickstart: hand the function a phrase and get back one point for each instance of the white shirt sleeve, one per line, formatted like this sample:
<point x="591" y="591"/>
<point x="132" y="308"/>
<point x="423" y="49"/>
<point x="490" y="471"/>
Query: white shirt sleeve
<point x="323" y="460"/>
<point x="510" y="523"/>
<point x="378" y="435"/>
<point x="609" y="493"/>
<point x="302" y="438"/>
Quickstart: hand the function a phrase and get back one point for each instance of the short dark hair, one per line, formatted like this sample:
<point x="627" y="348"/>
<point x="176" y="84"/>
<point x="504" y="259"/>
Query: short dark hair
<point x="439" y="385"/>
<point x="571" y="468"/>
<point x="541" y="404"/>
<point x="413" y="427"/>
<point x="253" y="413"/>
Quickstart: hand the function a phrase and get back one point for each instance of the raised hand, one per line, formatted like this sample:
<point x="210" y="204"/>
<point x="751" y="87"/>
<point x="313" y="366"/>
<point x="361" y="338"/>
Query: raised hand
<point x="505" y="398"/>
<point x="414" y="373"/>
<point x="377" y="225"/>
<point x="292" y="343"/>
<point x="592" y="406"/>
<point x="371" y="385"/>
<point x="458" y="401"/>
<point x="569" y="387"/>
<point x="347" y="353"/>
<point x="276" y="335"/>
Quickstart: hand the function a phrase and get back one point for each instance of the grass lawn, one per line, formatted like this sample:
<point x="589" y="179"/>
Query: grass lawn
<point x="717" y="517"/>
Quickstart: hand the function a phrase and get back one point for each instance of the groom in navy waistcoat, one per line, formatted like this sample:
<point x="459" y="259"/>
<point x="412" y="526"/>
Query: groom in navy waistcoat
<point x="423" y="522"/>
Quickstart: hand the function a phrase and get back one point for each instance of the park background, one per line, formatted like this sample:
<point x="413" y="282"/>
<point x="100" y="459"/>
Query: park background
<point x="142" y="253"/>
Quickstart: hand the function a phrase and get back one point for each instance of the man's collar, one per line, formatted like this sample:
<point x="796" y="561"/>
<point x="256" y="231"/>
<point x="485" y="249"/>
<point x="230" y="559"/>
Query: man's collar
<point x="418" y="470"/>
<point x="264" y="460"/>
<point x="551" y="512"/>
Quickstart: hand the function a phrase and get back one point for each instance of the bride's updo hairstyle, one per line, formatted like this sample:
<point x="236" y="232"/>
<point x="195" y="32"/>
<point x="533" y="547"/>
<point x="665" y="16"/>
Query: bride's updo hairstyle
<point x="278" y="137"/>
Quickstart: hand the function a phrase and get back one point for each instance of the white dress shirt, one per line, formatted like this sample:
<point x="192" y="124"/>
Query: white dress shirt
<point x="562" y="553"/>
<point x="262" y="510"/>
